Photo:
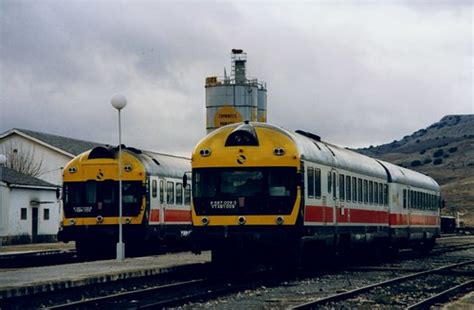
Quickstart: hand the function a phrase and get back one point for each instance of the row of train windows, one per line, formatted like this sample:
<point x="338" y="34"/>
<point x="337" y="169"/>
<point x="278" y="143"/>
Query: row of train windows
<point x="419" y="200"/>
<point x="350" y="188"/>
<point x="171" y="193"/>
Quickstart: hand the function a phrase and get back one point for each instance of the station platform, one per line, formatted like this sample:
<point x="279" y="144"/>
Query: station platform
<point x="26" y="281"/>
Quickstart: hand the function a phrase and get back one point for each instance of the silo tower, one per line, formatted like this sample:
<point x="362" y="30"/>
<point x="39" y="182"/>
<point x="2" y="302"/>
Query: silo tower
<point x="235" y="98"/>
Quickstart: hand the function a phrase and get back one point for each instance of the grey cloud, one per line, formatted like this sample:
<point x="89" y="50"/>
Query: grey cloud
<point x="357" y="75"/>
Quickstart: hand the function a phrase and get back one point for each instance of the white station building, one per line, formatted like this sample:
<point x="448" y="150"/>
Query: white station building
<point x="29" y="207"/>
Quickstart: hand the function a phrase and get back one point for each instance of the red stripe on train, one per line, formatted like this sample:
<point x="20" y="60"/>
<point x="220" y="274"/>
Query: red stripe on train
<point x="155" y="215"/>
<point x="178" y="216"/>
<point x="318" y="214"/>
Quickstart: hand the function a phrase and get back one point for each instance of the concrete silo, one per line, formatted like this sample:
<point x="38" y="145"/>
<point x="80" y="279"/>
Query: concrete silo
<point x="235" y="98"/>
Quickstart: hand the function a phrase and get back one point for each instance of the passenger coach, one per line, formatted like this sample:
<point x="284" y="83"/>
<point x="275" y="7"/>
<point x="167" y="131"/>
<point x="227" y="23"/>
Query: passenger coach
<point x="255" y="184"/>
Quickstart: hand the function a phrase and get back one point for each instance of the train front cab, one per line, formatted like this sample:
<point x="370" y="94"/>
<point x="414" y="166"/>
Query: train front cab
<point x="246" y="190"/>
<point x="90" y="200"/>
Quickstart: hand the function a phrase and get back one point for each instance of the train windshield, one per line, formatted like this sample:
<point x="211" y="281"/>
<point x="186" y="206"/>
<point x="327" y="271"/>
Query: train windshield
<point x="244" y="191"/>
<point x="91" y="198"/>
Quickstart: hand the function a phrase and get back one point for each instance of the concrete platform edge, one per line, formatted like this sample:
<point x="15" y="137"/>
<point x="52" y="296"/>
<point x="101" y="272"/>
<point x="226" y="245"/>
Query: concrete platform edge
<point x="12" y="292"/>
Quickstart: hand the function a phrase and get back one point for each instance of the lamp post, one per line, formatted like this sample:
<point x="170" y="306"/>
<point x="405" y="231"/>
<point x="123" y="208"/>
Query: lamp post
<point x="3" y="161"/>
<point x="119" y="102"/>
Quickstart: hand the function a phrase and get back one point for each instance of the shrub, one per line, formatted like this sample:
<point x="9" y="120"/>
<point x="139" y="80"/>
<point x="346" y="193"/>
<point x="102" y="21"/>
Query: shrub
<point x="453" y="149"/>
<point x="427" y="161"/>
<point x="446" y="155"/>
<point x="416" y="163"/>
<point x="422" y="152"/>
<point x="438" y="153"/>
<point x="438" y="161"/>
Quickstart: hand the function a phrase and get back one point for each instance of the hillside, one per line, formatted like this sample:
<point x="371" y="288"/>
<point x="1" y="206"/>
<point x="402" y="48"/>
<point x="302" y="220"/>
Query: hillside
<point x="444" y="151"/>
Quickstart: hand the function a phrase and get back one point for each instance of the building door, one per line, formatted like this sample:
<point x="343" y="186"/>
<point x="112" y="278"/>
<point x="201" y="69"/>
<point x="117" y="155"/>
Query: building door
<point x="34" y="224"/>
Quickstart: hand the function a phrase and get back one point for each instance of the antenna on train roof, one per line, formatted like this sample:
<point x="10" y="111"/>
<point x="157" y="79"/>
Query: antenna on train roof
<point x="309" y="135"/>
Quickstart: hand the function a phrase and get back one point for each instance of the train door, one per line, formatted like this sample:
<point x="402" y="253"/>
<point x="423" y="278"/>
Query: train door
<point x="156" y="215"/>
<point x="333" y="176"/>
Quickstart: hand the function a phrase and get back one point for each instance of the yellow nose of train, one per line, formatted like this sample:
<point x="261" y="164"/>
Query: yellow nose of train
<point x="246" y="174"/>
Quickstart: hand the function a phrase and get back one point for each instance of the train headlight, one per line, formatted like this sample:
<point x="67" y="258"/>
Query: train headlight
<point x="279" y="151"/>
<point x="242" y="220"/>
<point x="127" y="220"/>
<point x="279" y="220"/>
<point x="205" y="221"/>
<point x="99" y="219"/>
<point x="205" y="152"/>
<point x="128" y="168"/>
<point x="72" y="222"/>
<point x="72" y="170"/>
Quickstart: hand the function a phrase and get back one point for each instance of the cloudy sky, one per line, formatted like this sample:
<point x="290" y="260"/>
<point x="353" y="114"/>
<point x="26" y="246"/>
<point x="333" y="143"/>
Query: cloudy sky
<point x="356" y="73"/>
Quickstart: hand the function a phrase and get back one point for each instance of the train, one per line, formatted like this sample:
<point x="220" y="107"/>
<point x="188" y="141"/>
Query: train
<point x="257" y="187"/>
<point x="156" y="206"/>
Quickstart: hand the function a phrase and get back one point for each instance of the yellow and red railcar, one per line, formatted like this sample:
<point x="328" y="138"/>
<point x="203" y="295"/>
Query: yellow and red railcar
<point x="258" y="184"/>
<point x="156" y="207"/>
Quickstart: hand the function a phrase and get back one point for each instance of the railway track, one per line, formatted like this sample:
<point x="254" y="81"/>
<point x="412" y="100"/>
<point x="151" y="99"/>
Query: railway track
<point x="173" y="294"/>
<point x="449" y="284"/>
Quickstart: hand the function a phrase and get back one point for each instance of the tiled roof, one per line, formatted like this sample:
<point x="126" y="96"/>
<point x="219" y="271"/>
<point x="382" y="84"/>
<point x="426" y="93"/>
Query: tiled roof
<point x="69" y="145"/>
<point x="10" y="176"/>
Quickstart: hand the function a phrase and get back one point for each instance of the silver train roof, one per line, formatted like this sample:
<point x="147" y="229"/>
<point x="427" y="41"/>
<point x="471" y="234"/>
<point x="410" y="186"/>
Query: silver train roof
<point x="341" y="158"/>
<point x="165" y="165"/>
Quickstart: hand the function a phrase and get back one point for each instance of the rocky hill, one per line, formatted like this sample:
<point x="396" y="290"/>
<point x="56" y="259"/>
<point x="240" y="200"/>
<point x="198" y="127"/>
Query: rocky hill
<point x="444" y="151"/>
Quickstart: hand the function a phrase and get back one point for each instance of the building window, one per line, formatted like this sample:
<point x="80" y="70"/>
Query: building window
<point x="24" y="212"/>
<point x="46" y="214"/>
<point x="310" y="182"/>
<point x="170" y="193"/>
<point x="179" y="193"/>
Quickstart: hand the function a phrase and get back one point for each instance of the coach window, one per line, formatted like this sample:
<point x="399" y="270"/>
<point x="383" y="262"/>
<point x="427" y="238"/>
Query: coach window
<point x="376" y="194"/>
<point x="348" y="188"/>
<point x="334" y="180"/>
<point x="408" y="198"/>
<point x="354" y="189"/>
<point x="179" y="193"/>
<point x="317" y="185"/>
<point x="380" y="194"/>
<point x="310" y="182"/>
<point x="365" y="192"/>
<point x="162" y="191"/>
<point x="371" y="192"/>
<point x="385" y="194"/>
<point x="329" y="182"/>
<point x="342" y="189"/>
<point x="170" y="193"/>
<point x="187" y="195"/>
<point x="154" y="188"/>
<point x="404" y="199"/>
<point x="359" y="188"/>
